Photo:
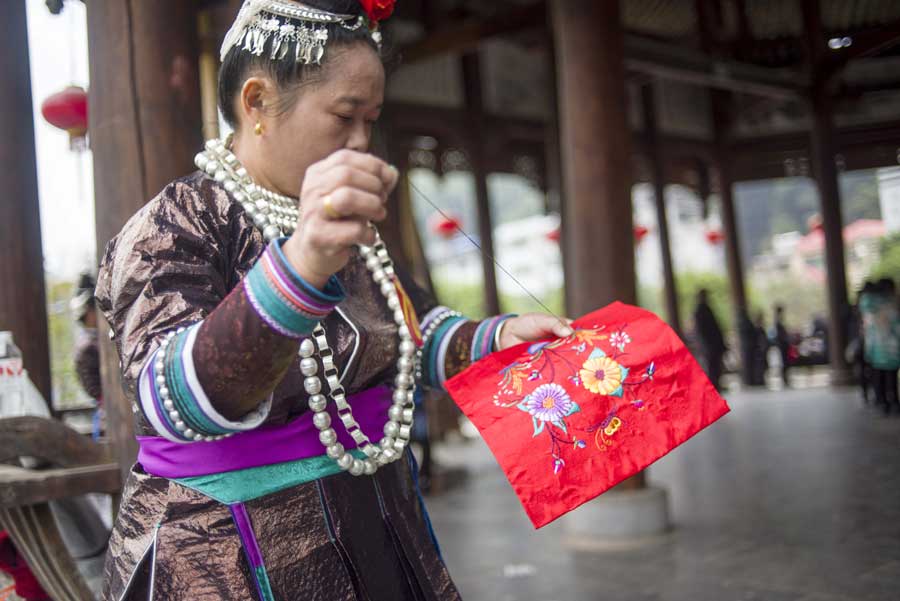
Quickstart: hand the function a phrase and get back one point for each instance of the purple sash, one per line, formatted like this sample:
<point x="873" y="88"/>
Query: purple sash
<point x="265" y="445"/>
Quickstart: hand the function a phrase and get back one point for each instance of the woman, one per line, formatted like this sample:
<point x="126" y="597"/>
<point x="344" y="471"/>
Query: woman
<point x="881" y="324"/>
<point x="256" y="476"/>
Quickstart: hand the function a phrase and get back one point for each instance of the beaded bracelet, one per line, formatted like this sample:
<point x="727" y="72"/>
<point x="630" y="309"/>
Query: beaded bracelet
<point x="426" y="337"/>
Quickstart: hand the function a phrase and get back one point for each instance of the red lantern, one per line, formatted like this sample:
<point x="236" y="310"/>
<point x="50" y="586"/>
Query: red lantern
<point x="714" y="236"/>
<point x="555" y="235"/>
<point x="639" y="232"/>
<point x="68" y="110"/>
<point x="445" y="226"/>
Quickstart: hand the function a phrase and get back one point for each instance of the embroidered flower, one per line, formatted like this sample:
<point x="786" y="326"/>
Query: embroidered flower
<point x="619" y="340"/>
<point x="590" y="335"/>
<point x="602" y="375"/>
<point x="638" y="404"/>
<point x="535" y="375"/>
<point x="651" y="370"/>
<point x="378" y="10"/>
<point x="548" y="403"/>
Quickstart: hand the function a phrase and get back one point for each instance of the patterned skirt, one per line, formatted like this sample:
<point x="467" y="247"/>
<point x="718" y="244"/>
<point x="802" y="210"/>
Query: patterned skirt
<point x="338" y="538"/>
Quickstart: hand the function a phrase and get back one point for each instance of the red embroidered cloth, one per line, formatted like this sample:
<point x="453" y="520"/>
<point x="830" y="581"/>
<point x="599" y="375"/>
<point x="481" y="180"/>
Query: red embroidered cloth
<point x="567" y="419"/>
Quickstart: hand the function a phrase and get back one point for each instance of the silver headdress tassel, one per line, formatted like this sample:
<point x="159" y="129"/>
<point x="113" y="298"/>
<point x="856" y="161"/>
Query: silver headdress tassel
<point x="297" y="32"/>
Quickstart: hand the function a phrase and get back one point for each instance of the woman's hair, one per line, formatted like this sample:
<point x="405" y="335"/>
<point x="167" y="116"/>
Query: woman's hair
<point x="289" y="76"/>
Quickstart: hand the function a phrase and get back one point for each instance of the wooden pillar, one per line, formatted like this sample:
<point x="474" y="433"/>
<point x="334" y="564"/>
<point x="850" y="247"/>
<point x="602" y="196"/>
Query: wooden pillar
<point x="475" y="108"/>
<point x="733" y="260"/>
<point x="395" y="229"/>
<point x="596" y="153"/>
<point x="720" y="102"/>
<point x="658" y="174"/>
<point x="710" y="20"/>
<point x="209" y="74"/>
<point x="146" y="126"/>
<point x="824" y="149"/>
<point x="23" y="304"/>
<point x="598" y="240"/>
<point x="556" y="189"/>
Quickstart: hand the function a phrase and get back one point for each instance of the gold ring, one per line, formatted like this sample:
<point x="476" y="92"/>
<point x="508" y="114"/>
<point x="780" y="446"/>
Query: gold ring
<point x="329" y="209"/>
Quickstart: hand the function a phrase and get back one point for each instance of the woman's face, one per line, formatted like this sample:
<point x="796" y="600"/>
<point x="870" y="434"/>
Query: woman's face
<point x="336" y="111"/>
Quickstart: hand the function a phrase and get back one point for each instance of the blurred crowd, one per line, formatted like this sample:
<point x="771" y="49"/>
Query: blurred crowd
<point x="873" y="350"/>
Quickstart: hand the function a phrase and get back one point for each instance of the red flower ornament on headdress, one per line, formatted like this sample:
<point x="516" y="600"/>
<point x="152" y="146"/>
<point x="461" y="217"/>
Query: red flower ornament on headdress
<point x="378" y="10"/>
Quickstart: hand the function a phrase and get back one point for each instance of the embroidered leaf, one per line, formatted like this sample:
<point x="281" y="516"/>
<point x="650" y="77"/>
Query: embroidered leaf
<point x="596" y="354"/>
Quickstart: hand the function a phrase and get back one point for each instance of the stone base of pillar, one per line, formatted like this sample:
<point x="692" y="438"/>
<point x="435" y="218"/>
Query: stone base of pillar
<point x="620" y="519"/>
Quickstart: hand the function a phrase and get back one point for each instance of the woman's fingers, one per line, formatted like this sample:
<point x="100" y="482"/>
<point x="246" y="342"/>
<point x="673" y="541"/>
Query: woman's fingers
<point x="532" y="327"/>
<point x="390" y="175"/>
<point x="348" y="176"/>
<point x="341" y="196"/>
<point x="336" y="237"/>
<point x="560" y="328"/>
<point x="359" y="161"/>
<point x="353" y="203"/>
<point x="543" y="325"/>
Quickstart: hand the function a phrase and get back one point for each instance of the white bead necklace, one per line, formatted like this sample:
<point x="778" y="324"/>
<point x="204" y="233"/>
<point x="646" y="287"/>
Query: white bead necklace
<point x="276" y="214"/>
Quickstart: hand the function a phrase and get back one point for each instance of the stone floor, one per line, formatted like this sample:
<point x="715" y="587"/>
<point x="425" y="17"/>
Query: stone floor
<point x="794" y="496"/>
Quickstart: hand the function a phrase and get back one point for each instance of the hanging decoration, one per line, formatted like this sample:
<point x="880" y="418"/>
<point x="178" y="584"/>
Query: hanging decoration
<point x="715" y="236"/>
<point x="555" y="235"/>
<point x="446" y="226"/>
<point x="640" y="231"/>
<point x="68" y="110"/>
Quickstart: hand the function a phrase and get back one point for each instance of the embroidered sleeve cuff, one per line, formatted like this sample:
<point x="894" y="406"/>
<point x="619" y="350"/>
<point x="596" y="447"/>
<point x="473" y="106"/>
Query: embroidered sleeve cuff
<point x="175" y="403"/>
<point x="439" y="326"/>
<point x="485" y="340"/>
<point x="284" y="300"/>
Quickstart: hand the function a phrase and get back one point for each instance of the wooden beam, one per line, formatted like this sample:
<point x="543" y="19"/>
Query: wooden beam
<point x="49" y="440"/>
<point x="867" y="43"/>
<point x="19" y="486"/>
<point x="466" y="36"/>
<point x="662" y="60"/>
<point x="23" y="303"/>
<point x="145" y="127"/>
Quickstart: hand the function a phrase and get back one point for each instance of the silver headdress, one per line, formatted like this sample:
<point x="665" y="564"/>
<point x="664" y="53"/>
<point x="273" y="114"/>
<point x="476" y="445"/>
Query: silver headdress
<point x="297" y="32"/>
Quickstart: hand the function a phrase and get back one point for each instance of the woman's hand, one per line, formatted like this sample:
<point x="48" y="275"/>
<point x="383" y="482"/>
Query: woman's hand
<point x="531" y="327"/>
<point x="340" y="197"/>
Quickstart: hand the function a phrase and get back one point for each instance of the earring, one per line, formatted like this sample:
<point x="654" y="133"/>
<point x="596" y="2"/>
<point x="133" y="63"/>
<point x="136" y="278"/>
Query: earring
<point x="259" y="129"/>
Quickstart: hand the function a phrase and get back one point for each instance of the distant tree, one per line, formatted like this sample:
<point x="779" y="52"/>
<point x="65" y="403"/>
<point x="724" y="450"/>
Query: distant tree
<point x="889" y="264"/>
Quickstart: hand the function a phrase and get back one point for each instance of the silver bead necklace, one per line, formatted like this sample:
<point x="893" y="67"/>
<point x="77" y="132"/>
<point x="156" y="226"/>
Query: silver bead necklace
<point x="276" y="214"/>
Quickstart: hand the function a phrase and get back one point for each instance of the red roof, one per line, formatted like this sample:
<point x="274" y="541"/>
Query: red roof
<point x="861" y="229"/>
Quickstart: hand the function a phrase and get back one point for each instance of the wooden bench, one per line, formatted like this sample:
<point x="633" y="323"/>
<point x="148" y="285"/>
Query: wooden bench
<point x="76" y="465"/>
